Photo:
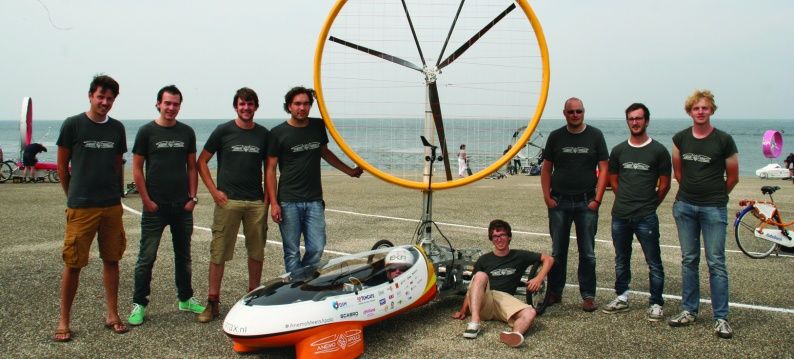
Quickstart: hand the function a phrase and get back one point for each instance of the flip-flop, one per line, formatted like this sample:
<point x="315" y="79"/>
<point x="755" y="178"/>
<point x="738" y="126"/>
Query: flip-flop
<point x="117" y="327"/>
<point x="65" y="333"/>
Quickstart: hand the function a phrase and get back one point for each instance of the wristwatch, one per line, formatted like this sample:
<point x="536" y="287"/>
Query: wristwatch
<point x="194" y="199"/>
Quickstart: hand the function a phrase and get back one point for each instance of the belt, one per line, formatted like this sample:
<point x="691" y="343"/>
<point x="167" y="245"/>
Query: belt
<point x="574" y="197"/>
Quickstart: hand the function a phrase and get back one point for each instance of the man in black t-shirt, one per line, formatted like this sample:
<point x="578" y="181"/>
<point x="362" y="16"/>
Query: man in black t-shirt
<point x="168" y="191"/>
<point x="92" y="143"/>
<point x="296" y="146"/>
<point x="706" y="165"/>
<point x="29" y="160"/>
<point x="493" y="285"/>
<point x="636" y="167"/>
<point x="573" y="194"/>
<point x="239" y="196"/>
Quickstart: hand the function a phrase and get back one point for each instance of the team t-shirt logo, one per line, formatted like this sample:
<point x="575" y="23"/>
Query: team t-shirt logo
<point x="98" y="144"/>
<point x="503" y="272"/>
<point x="245" y="148"/>
<point x="170" y="144"/>
<point x="636" y="166"/>
<point x="305" y="147"/>
<point x="696" y="157"/>
<point x="575" y="150"/>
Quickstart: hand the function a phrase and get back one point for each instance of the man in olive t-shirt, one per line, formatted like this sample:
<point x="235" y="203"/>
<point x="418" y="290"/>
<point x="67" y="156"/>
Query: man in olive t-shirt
<point x="167" y="147"/>
<point x="296" y="146"/>
<point x="573" y="194"/>
<point x="241" y="145"/>
<point x="706" y="165"/>
<point x="92" y="144"/>
<point x="636" y="166"/>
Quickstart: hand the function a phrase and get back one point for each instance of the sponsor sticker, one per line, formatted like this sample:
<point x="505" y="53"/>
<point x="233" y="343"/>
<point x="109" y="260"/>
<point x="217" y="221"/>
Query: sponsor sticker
<point x="337" y="342"/>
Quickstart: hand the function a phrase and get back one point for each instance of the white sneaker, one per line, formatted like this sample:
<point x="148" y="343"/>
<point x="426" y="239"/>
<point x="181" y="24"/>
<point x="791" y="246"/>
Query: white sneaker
<point x="472" y="330"/>
<point x="512" y="339"/>
<point x="723" y="329"/>
<point x="655" y="313"/>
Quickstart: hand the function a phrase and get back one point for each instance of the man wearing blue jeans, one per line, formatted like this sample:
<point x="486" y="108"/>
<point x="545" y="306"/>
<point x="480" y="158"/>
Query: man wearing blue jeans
<point x="167" y="148"/>
<point x="639" y="172"/>
<point x="573" y="193"/>
<point x="706" y="165"/>
<point x="296" y="146"/>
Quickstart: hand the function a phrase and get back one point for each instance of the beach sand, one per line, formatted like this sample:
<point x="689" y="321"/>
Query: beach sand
<point x="31" y="232"/>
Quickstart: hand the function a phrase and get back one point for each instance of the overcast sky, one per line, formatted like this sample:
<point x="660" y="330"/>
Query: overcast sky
<point x="608" y="53"/>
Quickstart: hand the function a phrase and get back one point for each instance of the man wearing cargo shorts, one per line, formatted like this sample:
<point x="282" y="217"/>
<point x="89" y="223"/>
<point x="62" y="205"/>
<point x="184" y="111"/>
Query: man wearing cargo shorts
<point x="493" y="286"/>
<point x="239" y="195"/>
<point x="92" y="143"/>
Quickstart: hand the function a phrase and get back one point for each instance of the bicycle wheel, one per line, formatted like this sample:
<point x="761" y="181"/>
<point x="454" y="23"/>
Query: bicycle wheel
<point x="52" y="176"/>
<point x="538" y="299"/>
<point x="5" y="171"/>
<point x="744" y="229"/>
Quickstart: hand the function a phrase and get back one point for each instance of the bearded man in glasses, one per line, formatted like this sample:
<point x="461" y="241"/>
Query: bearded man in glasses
<point x="572" y="190"/>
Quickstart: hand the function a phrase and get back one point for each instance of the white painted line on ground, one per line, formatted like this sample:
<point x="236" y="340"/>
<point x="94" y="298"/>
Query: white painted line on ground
<point x="514" y="231"/>
<point x="667" y="296"/>
<point x="138" y="213"/>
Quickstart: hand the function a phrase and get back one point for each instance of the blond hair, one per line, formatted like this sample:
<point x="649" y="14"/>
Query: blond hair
<point x="696" y="96"/>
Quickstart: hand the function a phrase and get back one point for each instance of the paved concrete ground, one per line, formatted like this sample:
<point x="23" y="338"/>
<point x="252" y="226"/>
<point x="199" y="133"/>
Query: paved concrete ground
<point x="31" y="228"/>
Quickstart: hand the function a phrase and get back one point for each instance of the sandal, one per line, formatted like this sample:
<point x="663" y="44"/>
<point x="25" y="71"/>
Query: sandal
<point x="62" y="335"/>
<point x="117" y="327"/>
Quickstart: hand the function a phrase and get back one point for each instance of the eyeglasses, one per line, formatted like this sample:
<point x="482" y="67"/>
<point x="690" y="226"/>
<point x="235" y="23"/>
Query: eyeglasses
<point x="571" y="112"/>
<point x="499" y="236"/>
<point x="636" y="119"/>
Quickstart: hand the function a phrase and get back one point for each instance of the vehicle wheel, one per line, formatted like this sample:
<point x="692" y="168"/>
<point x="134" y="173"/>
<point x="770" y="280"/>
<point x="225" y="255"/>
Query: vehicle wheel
<point x="383" y="243"/>
<point x="744" y="230"/>
<point x="5" y="171"/>
<point x="52" y="176"/>
<point x="538" y="299"/>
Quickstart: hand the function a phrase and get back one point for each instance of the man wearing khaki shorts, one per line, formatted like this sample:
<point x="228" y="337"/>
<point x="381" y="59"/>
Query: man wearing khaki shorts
<point x="493" y="286"/>
<point x="239" y="194"/>
<point x="92" y="143"/>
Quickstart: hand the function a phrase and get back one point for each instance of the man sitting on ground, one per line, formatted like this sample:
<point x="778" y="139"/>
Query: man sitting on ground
<point x="493" y="286"/>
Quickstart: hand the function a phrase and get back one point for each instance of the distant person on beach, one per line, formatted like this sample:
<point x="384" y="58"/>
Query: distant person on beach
<point x="29" y="160"/>
<point x="494" y="281"/>
<point x="296" y="146"/>
<point x="789" y="164"/>
<point x="573" y="194"/>
<point x="168" y="187"/>
<point x="239" y="195"/>
<point x="635" y="168"/>
<point x="93" y="144"/>
<point x="463" y="159"/>
<point x="706" y="165"/>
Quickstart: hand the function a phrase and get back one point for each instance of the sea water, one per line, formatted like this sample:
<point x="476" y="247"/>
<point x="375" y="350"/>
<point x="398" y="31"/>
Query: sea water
<point x="402" y="136"/>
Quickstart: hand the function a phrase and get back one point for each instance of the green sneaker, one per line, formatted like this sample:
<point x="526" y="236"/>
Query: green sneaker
<point x="137" y="314"/>
<point x="191" y="305"/>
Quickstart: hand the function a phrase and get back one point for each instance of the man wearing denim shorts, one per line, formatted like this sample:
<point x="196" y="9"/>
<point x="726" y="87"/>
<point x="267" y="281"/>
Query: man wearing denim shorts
<point x="167" y="148"/>
<point x="706" y="165"/>
<point x="492" y="290"/>
<point x="92" y="143"/>
<point x="573" y="194"/>
<point x="636" y="167"/>
<point x="239" y="196"/>
<point x="296" y="146"/>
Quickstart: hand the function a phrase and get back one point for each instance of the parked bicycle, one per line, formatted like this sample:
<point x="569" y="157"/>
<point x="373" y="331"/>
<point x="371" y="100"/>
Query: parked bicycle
<point x="10" y="169"/>
<point x="759" y="227"/>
